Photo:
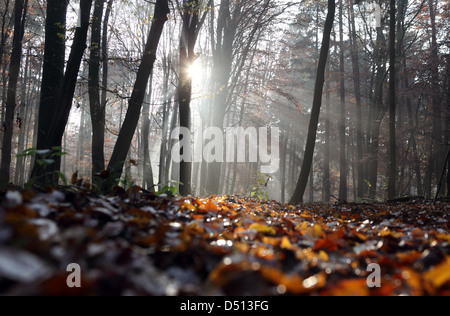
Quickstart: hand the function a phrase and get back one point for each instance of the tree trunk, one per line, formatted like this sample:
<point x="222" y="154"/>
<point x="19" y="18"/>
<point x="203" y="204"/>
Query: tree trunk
<point x="53" y="68"/>
<point x="447" y="110"/>
<point x="129" y="125"/>
<point x="5" y="32"/>
<point x="343" y="190"/>
<point x="96" y="107"/>
<point x="23" y="124"/>
<point x="223" y="57"/>
<point x="377" y="113"/>
<point x="315" y="113"/>
<point x="392" y="168"/>
<point x="105" y="54"/>
<point x="187" y="58"/>
<point x="438" y="151"/>
<point x="52" y="129"/>
<point x="357" y="89"/>
<point x="326" y="160"/>
<point x="20" y="14"/>
<point x="165" y="125"/>
<point x="148" y="182"/>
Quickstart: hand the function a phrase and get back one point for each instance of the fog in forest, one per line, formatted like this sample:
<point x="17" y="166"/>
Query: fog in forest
<point x="216" y="97"/>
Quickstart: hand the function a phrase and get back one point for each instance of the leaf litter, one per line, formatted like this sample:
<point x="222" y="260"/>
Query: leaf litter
<point x="140" y="244"/>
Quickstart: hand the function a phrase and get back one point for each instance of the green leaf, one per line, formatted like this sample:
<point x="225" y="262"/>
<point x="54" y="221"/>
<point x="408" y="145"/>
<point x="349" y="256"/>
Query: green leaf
<point x="62" y="177"/>
<point x="59" y="154"/>
<point x="26" y="153"/>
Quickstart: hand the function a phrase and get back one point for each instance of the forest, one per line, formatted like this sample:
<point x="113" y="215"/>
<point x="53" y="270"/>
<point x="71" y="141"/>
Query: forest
<point x="268" y="129"/>
<point x="79" y="92"/>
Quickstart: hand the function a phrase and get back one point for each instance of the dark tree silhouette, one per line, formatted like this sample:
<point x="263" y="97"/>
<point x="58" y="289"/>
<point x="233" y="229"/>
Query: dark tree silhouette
<point x="129" y="125"/>
<point x="317" y="103"/>
<point x="20" y="14"/>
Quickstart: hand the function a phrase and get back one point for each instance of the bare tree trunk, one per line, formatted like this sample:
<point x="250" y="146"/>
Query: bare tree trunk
<point x="5" y="32"/>
<point x="165" y="125"/>
<point x="377" y="113"/>
<point x="326" y="160"/>
<point x="392" y="168"/>
<point x="96" y="107"/>
<point x="187" y="59"/>
<point x="137" y="97"/>
<point x="357" y="88"/>
<point x="438" y="151"/>
<point x="314" y="121"/>
<point x="105" y="54"/>
<point x="148" y="182"/>
<point x="20" y="14"/>
<point x="447" y="111"/>
<point x="311" y="183"/>
<point x="52" y="130"/>
<point x="343" y="189"/>
<point x="22" y="125"/>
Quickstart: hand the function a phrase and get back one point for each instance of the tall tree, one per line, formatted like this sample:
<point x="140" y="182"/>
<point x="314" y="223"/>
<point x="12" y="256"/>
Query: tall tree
<point x="436" y="161"/>
<point x="447" y="110"/>
<point x="327" y="146"/>
<point x="5" y="30"/>
<point x="130" y="123"/>
<point x="392" y="172"/>
<point x="189" y="33"/>
<point x="317" y="103"/>
<point x="147" y="182"/>
<point x="20" y="14"/>
<point x="226" y="53"/>
<point x="377" y="112"/>
<point x="357" y="90"/>
<point x="53" y="68"/>
<point x="343" y="189"/>
<point x="55" y="117"/>
<point x="96" y="107"/>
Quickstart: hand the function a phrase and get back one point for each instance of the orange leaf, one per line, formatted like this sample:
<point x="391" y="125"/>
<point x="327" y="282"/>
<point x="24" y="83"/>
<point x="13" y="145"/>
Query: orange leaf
<point x="439" y="275"/>
<point x="355" y="287"/>
<point x="325" y="244"/>
<point x="263" y="229"/>
<point x="286" y="244"/>
<point x="208" y="207"/>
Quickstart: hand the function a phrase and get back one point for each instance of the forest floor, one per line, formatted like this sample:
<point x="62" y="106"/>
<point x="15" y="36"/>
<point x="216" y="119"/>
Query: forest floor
<point x="137" y="244"/>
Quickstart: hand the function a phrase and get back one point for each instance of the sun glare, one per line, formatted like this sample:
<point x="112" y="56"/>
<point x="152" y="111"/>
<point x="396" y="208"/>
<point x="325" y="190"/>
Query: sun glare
<point x="196" y="71"/>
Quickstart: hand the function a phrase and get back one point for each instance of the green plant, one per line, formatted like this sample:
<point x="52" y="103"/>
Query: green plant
<point x="127" y="182"/>
<point x="45" y="158"/>
<point x="170" y="189"/>
<point x="258" y="191"/>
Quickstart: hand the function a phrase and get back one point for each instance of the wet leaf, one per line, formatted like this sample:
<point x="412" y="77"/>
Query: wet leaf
<point x="326" y="244"/>
<point x="263" y="229"/>
<point x="22" y="266"/>
<point x="133" y="244"/>
<point x="439" y="275"/>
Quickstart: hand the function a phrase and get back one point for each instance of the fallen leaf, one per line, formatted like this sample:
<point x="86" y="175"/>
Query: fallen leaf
<point x="439" y="275"/>
<point x="22" y="266"/>
<point x="325" y="244"/>
<point x="263" y="229"/>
